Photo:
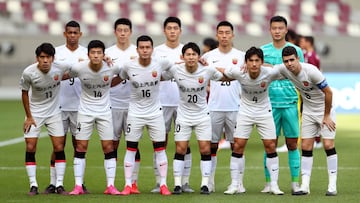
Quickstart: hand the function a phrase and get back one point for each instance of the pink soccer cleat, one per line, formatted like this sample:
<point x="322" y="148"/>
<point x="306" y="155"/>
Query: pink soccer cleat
<point x="164" y="190"/>
<point x="78" y="190"/>
<point x="111" y="190"/>
<point x="126" y="191"/>
<point x="134" y="189"/>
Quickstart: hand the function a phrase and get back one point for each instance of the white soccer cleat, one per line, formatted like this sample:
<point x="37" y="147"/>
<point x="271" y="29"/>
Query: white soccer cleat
<point x="241" y="188"/>
<point x="266" y="188"/>
<point x="275" y="190"/>
<point x="231" y="190"/>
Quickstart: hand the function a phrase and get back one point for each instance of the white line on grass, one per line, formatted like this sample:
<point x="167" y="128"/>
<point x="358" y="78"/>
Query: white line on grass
<point x="18" y="140"/>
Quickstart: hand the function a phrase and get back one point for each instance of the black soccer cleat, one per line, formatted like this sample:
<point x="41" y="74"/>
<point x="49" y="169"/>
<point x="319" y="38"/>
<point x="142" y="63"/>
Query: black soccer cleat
<point x="177" y="190"/>
<point x="50" y="189"/>
<point x="204" y="190"/>
<point x="60" y="190"/>
<point x="33" y="191"/>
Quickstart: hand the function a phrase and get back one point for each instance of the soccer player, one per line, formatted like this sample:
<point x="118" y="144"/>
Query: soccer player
<point x="169" y="93"/>
<point x="193" y="114"/>
<point x="255" y="111"/>
<point x="70" y="89"/>
<point x="284" y="101"/>
<point x="42" y="108"/>
<point x="224" y="100"/>
<point x="94" y="111"/>
<point x="145" y="110"/>
<point x="310" y="56"/>
<point x="317" y="116"/>
<point x="123" y="51"/>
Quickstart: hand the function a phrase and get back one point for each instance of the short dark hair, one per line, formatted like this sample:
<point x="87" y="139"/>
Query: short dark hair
<point x="225" y="23"/>
<point x="45" y="47"/>
<point x="191" y="45"/>
<point x="211" y="43"/>
<point x="144" y="38"/>
<point x="72" y="23"/>
<point x="291" y="35"/>
<point x="309" y="39"/>
<point x="288" y="51"/>
<point x="123" y="21"/>
<point x="172" y="19"/>
<point x="254" y="51"/>
<point x="96" y="44"/>
<point x="278" y="19"/>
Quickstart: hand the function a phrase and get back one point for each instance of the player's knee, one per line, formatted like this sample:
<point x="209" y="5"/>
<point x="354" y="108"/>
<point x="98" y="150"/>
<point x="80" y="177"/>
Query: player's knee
<point x="159" y="146"/>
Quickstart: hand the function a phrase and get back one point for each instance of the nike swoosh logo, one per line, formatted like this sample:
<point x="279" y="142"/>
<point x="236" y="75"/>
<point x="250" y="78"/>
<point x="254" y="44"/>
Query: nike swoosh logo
<point x="134" y="75"/>
<point x="215" y="61"/>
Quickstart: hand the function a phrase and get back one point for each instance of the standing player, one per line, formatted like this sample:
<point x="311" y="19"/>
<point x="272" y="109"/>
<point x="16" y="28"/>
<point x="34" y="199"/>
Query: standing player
<point x="169" y="93"/>
<point x="284" y="101"/>
<point x="145" y="110"/>
<point x="42" y="108"/>
<point x="317" y="116"/>
<point x="123" y="51"/>
<point x="310" y="56"/>
<point x="70" y="90"/>
<point x="94" y="111"/>
<point x="224" y="100"/>
<point x="193" y="114"/>
<point x="255" y="110"/>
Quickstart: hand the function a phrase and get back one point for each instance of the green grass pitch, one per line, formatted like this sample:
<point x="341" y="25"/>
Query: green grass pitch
<point x="14" y="182"/>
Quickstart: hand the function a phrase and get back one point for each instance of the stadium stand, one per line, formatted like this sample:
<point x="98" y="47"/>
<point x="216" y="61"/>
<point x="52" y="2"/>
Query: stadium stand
<point x="311" y="17"/>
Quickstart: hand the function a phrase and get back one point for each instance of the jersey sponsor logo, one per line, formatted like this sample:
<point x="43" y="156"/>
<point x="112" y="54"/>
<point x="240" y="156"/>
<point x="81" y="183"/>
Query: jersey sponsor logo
<point x="154" y="74"/>
<point x="305" y="83"/>
<point x="234" y="61"/>
<point x="56" y="77"/>
<point x="106" y="78"/>
<point x="201" y="79"/>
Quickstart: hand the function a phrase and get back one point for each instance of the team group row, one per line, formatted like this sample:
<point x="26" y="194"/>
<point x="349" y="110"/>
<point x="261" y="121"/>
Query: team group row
<point x="129" y="98"/>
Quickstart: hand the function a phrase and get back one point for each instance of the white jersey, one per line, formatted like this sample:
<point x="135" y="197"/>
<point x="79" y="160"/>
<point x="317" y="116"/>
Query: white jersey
<point x="145" y="81"/>
<point x="43" y="89"/>
<point x="192" y="88"/>
<point x="120" y="94"/>
<point x="70" y="90"/>
<point x="95" y="87"/>
<point x="224" y="96"/>
<point x="169" y="93"/>
<point x="254" y="92"/>
<point x="309" y="82"/>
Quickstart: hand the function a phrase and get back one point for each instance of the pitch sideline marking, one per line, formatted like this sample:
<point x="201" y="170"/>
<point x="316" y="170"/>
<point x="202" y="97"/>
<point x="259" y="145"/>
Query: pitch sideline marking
<point x="18" y="140"/>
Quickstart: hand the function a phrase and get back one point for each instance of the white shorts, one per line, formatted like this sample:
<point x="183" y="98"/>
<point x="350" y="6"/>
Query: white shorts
<point x="170" y="113"/>
<point x="155" y="126"/>
<point x="53" y="125"/>
<point x="220" y="121"/>
<point x="202" y="129"/>
<point x="69" y="119"/>
<point x="264" y="124"/>
<point x="119" y="117"/>
<point x="311" y="126"/>
<point x="103" y="124"/>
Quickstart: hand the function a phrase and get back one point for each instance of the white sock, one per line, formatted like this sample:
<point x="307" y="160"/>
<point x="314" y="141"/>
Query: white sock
<point x="162" y="165"/>
<point x="110" y="170"/>
<point x="52" y="175"/>
<point x="60" y="173"/>
<point x="135" y="174"/>
<point x="332" y="163"/>
<point x="178" y="167"/>
<point x="156" y="171"/>
<point x="129" y="162"/>
<point x="236" y="164"/>
<point x="187" y="169"/>
<point x="241" y="171"/>
<point x="79" y="170"/>
<point x="31" y="172"/>
<point x="273" y="166"/>
<point x="213" y="168"/>
<point x="205" y="167"/>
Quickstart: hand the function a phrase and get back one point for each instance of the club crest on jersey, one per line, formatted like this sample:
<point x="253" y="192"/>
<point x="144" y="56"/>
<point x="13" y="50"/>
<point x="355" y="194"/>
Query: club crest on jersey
<point x="234" y="61"/>
<point x="201" y="79"/>
<point x="154" y="73"/>
<point x="106" y="78"/>
<point x="56" y="77"/>
<point x="305" y="83"/>
<point x="263" y="84"/>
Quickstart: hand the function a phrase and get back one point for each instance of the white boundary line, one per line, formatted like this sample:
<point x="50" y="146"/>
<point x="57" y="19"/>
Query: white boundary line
<point x="18" y="140"/>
